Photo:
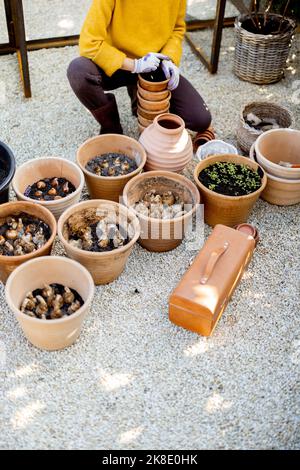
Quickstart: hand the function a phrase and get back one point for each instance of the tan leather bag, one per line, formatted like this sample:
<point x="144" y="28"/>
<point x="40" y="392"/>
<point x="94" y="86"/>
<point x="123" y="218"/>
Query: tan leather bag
<point x="203" y="293"/>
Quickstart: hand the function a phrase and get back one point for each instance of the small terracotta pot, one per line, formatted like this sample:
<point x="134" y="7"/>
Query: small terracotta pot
<point x="157" y="234"/>
<point x="153" y="105"/>
<point x="151" y="115"/>
<point x="50" y="334"/>
<point x="9" y="263"/>
<point x="227" y="210"/>
<point x="277" y="145"/>
<point x="141" y="128"/>
<point x="49" y="167"/>
<point x="8" y="164"/>
<point x="153" y="86"/>
<point x="153" y="95"/>
<point x="144" y="122"/>
<point x="107" y="266"/>
<point x="109" y="187"/>
<point x="168" y="148"/>
<point x="279" y="191"/>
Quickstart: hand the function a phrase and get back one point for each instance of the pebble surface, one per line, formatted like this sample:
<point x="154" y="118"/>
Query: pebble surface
<point x="133" y="380"/>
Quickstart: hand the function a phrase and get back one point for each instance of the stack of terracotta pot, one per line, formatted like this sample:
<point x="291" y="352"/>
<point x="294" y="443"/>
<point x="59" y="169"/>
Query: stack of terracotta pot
<point x="153" y="100"/>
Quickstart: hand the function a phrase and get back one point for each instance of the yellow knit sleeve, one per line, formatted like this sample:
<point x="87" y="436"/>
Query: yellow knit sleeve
<point x="92" y="42"/>
<point x="173" y="47"/>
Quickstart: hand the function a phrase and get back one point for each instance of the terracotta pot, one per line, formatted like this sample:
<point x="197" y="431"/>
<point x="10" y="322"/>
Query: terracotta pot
<point x="280" y="191"/>
<point x="50" y="334"/>
<point x="144" y="122"/>
<point x="109" y="187"/>
<point x="167" y="148"/>
<point x="227" y="210"/>
<point x="49" y="167"/>
<point x="141" y="128"/>
<point x="153" y="95"/>
<point x="9" y="263"/>
<point x="107" y="266"/>
<point x="157" y="234"/>
<point x="153" y="105"/>
<point x="151" y="115"/>
<point x="279" y="145"/>
<point x="8" y="164"/>
<point x="153" y="86"/>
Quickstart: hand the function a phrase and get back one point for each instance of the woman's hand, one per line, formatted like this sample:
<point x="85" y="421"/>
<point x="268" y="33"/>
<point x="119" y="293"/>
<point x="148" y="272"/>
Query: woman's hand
<point x="148" y="63"/>
<point x="172" y="73"/>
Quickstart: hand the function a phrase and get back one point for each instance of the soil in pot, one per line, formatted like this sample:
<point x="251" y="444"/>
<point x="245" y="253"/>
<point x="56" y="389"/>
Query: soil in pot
<point x="112" y="164"/>
<point x="51" y="302"/>
<point x="165" y="205"/>
<point x="156" y="76"/>
<point x="93" y="230"/>
<point x="272" y="26"/>
<point x="22" y="234"/>
<point x="231" y="179"/>
<point x="49" y="189"/>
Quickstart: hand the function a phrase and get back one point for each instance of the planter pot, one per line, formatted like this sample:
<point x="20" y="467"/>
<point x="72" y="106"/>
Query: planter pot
<point x="167" y="143"/>
<point x="215" y="147"/>
<point x="50" y="334"/>
<point x="246" y="136"/>
<point x="144" y="122"/>
<point x="153" y="86"/>
<point x="154" y="105"/>
<point x="107" y="266"/>
<point x="279" y="191"/>
<point x="7" y="166"/>
<point x="141" y="128"/>
<point x="49" y="167"/>
<point x="157" y="234"/>
<point x="279" y="145"/>
<point x="151" y="115"/>
<point x="227" y="210"/>
<point x="109" y="187"/>
<point x="153" y="95"/>
<point x="262" y="58"/>
<point x="9" y="263"/>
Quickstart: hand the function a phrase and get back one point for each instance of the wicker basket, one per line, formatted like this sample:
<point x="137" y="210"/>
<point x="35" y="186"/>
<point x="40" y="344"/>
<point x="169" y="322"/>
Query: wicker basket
<point x="246" y="136"/>
<point x="262" y="58"/>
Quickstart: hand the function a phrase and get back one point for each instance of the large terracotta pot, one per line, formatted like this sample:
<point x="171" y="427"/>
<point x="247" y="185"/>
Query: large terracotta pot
<point x="227" y="210"/>
<point x="279" y="191"/>
<point x="9" y="263"/>
<point x="107" y="266"/>
<point x="157" y="234"/>
<point x="167" y="143"/>
<point x="49" y="167"/>
<point x="277" y="145"/>
<point x="109" y="187"/>
<point x="50" y="334"/>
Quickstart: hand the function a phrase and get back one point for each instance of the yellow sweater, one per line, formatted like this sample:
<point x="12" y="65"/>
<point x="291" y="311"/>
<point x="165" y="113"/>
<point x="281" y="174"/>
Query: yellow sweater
<point x="114" y="29"/>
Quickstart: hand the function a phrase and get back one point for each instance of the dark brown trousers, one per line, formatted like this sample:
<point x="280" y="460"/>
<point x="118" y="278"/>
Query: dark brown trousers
<point x="89" y="83"/>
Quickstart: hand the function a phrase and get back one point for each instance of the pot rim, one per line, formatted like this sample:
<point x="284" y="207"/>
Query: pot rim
<point x="7" y="180"/>
<point x="165" y="100"/>
<point x="273" y="165"/>
<point x="153" y="83"/>
<point x="172" y="117"/>
<point x="168" y="175"/>
<point x="46" y="245"/>
<point x="215" y="158"/>
<point x="139" y="87"/>
<point x="39" y="321"/>
<point x="155" y="113"/>
<point x="238" y="24"/>
<point x="55" y="202"/>
<point x="81" y="205"/>
<point x="111" y="178"/>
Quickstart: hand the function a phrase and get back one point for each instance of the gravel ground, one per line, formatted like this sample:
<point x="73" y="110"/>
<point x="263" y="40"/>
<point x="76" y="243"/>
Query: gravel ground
<point x="133" y="380"/>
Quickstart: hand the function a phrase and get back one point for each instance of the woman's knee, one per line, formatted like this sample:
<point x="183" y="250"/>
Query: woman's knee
<point x="200" y="119"/>
<point x="77" y="72"/>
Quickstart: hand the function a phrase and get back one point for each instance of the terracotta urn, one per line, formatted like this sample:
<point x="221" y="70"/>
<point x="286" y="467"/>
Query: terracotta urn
<point x="223" y="209"/>
<point x="57" y="334"/>
<point x="167" y="143"/>
<point x="162" y="234"/>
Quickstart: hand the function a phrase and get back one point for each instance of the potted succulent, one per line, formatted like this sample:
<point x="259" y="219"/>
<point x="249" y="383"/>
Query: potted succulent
<point x="7" y="170"/>
<point x="108" y="162"/>
<point x="263" y="41"/>
<point x="53" y="182"/>
<point x="27" y="230"/>
<point x="100" y="235"/>
<point x="229" y="186"/>
<point x="51" y="306"/>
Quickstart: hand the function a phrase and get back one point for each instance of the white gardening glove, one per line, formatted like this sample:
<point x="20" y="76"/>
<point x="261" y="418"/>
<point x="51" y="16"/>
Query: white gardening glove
<point x="148" y="63"/>
<point x="172" y="73"/>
